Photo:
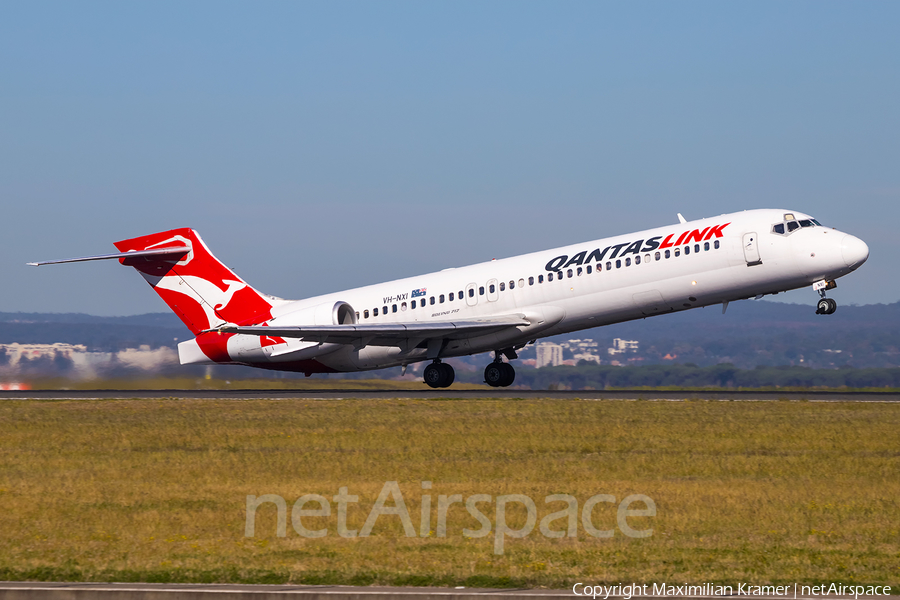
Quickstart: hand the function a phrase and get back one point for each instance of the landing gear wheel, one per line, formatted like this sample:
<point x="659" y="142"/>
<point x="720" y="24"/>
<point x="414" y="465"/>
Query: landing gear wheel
<point x="449" y="375"/>
<point x="509" y="374"/>
<point x="499" y="374"/>
<point x="439" y="375"/>
<point x="493" y="374"/>
<point x="826" y="306"/>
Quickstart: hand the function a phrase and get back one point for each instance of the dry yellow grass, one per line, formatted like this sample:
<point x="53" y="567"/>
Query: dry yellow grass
<point x="155" y="489"/>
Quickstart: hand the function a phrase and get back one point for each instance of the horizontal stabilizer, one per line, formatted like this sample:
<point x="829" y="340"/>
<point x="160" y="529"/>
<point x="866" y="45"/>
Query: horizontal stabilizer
<point x="174" y="252"/>
<point x="387" y="334"/>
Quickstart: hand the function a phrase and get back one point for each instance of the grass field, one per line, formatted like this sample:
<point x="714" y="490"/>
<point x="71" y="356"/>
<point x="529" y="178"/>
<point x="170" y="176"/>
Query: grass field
<point x="155" y="490"/>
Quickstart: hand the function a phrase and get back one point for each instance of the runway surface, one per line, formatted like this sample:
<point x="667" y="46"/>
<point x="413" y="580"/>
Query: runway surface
<point x="426" y="394"/>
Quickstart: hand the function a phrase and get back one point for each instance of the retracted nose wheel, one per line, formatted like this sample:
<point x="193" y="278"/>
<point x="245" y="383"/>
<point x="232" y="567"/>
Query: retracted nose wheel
<point x="826" y="306"/>
<point x="439" y="375"/>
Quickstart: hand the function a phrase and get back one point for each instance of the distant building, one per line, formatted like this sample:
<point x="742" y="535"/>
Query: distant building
<point x="621" y="346"/>
<point x="586" y="349"/>
<point x="15" y="353"/>
<point x="548" y="355"/>
<point x="586" y="357"/>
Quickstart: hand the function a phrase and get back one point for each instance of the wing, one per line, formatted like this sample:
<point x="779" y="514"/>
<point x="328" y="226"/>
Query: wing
<point x="388" y="334"/>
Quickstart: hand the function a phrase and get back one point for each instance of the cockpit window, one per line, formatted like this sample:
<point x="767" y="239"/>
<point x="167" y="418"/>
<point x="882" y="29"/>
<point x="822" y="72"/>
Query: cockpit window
<point x="793" y="224"/>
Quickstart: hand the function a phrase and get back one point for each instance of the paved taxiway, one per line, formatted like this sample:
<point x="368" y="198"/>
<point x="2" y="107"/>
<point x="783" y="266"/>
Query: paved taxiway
<point x="424" y="394"/>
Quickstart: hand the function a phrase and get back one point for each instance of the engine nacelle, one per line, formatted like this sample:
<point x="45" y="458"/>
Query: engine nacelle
<point x="327" y="313"/>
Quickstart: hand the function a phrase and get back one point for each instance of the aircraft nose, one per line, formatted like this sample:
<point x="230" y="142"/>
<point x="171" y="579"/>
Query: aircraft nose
<point x="854" y="250"/>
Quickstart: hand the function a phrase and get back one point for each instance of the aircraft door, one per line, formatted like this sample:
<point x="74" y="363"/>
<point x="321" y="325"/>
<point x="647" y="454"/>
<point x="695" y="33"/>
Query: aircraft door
<point x="472" y="294"/>
<point x="493" y="293"/>
<point x="751" y="249"/>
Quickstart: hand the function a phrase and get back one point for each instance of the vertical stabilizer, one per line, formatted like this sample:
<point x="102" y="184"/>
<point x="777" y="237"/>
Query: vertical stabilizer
<point x="202" y="291"/>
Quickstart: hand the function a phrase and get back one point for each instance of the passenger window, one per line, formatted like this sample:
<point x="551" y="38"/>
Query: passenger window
<point x="502" y="286"/>
<point x="531" y="281"/>
<point x="442" y="299"/>
<point x="608" y="265"/>
<point x="374" y="312"/>
<point x="385" y="310"/>
<point x="549" y="276"/>
<point x="431" y="300"/>
<point x="677" y="252"/>
<point x="460" y="295"/>
<point x="412" y="304"/>
<point x="657" y="256"/>
<point x="793" y="226"/>
<point x="540" y="279"/>
<point x="402" y="306"/>
<point x="559" y="275"/>
<point x="481" y="291"/>
<point x="588" y="268"/>
<point x="618" y="264"/>
<point x="779" y="229"/>
<point x="696" y="247"/>
<point x="637" y="260"/>
<point x="599" y="267"/>
<point x="628" y="262"/>
<point x="716" y="244"/>
<point x="450" y="298"/>
<point x="668" y="254"/>
<point x="705" y="246"/>
<point x="512" y="285"/>
<point x="491" y="289"/>
<point x="578" y="271"/>
<point x="357" y="315"/>
<point x="646" y="258"/>
<point x="366" y="314"/>
<point x="687" y="250"/>
<point x="472" y="293"/>
<point x="569" y="273"/>
<point x="521" y="283"/>
<point x="395" y="307"/>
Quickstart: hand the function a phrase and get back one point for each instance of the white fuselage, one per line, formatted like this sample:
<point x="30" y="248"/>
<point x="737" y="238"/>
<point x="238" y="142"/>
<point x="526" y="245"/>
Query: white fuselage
<point x="730" y="257"/>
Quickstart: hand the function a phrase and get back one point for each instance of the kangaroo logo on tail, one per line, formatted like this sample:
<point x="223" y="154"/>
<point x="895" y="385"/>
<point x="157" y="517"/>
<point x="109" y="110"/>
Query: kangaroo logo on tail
<point x="202" y="291"/>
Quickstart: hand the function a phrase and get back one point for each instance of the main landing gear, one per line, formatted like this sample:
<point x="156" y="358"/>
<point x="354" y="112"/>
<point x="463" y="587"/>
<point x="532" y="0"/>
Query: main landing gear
<point x="499" y="373"/>
<point x="825" y="306"/>
<point x="439" y="375"/>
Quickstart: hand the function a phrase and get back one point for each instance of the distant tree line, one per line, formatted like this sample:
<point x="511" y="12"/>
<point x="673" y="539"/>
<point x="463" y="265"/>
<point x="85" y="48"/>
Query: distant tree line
<point x="591" y="376"/>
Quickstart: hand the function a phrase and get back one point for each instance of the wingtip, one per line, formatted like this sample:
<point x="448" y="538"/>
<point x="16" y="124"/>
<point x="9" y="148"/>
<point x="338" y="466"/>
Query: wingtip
<point x="37" y="264"/>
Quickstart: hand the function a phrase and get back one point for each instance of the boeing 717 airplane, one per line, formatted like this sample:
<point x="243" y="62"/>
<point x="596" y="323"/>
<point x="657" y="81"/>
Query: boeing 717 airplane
<point x="497" y="306"/>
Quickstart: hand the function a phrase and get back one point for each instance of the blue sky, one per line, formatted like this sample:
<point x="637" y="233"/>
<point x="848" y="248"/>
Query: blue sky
<point x="321" y="146"/>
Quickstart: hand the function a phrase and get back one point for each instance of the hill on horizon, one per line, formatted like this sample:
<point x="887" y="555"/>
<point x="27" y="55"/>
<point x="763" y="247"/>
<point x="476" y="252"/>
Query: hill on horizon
<point x="750" y="333"/>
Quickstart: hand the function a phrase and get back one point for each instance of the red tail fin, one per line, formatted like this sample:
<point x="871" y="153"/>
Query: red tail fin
<point x="201" y="290"/>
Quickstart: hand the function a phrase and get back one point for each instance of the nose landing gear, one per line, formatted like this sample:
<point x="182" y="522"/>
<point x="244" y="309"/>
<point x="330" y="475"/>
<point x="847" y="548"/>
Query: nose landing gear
<point x="439" y="375"/>
<point x="825" y="306"/>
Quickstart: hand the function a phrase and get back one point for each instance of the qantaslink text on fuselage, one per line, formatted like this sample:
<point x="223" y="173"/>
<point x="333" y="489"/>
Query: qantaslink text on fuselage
<point x="636" y="247"/>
